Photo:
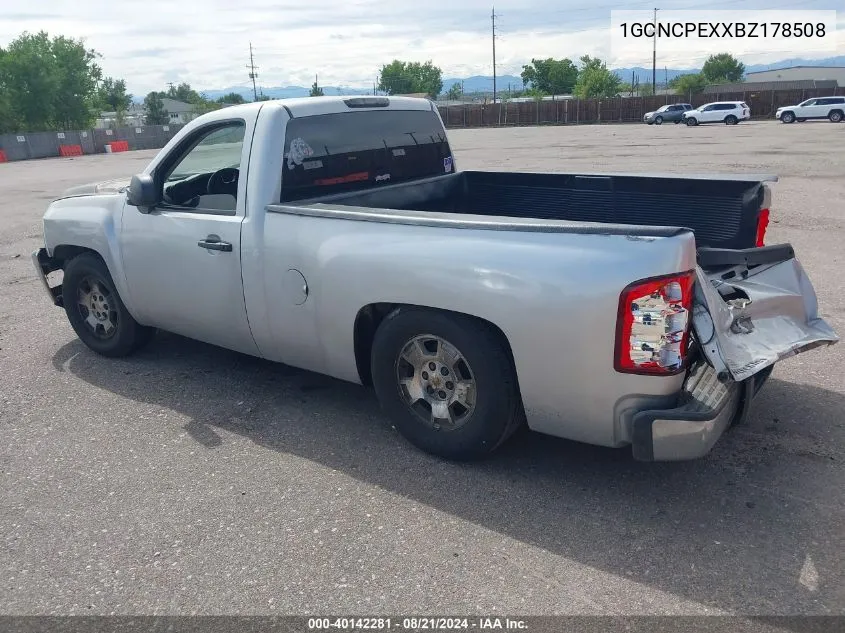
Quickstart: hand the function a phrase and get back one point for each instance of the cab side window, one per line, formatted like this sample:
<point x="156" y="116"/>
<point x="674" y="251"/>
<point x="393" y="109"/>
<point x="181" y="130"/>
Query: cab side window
<point x="205" y="176"/>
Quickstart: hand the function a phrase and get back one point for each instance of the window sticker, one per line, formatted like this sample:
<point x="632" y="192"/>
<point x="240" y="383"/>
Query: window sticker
<point x="447" y="164"/>
<point x="299" y="151"/>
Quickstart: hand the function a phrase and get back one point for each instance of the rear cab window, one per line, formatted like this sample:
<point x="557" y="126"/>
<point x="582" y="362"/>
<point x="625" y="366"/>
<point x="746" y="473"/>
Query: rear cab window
<point x="335" y="153"/>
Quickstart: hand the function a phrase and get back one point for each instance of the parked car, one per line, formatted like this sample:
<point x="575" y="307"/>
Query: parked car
<point x="334" y="234"/>
<point x="673" y="112"/>
<point x="728" y="112"/>
<point x="832" y="108"/>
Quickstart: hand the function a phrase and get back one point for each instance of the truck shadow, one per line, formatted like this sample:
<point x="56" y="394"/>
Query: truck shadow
<point x="754" y="527"/>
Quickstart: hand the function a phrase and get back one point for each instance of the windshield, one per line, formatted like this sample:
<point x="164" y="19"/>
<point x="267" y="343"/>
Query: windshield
<point x="807" y="102"/>
<point x="663" y="108"/>
<point x="333" y="153"/>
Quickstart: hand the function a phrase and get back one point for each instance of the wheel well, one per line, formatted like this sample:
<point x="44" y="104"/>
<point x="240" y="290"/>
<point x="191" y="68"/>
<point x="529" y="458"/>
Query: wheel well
<point x="839" y="110"/>
<point x="370" y="317"/>
<point x="66" y="252"/>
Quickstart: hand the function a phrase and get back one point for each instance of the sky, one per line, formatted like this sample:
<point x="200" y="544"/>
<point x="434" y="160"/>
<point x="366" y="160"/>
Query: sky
<point x="206" y="42"/>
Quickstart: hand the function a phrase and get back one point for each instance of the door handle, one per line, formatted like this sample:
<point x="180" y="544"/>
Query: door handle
<point x="214" y="243"/>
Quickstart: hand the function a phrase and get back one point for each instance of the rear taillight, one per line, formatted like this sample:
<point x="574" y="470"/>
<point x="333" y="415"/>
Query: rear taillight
<point x="762" y="225"/>
<point x="653" y="325"/>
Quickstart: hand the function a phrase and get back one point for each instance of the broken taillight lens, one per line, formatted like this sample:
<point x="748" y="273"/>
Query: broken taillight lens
<point x="762" y="225"/>
<point x="653" y="325"/>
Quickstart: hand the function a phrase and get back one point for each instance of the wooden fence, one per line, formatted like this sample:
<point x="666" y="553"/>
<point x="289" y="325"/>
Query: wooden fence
<point x="763" y="105"/>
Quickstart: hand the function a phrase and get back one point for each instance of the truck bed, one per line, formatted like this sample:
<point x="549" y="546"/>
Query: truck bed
<point x="720" y="210"/>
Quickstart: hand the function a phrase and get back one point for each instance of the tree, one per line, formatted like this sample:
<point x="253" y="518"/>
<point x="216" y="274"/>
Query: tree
<point x="232" y="97"/>
<point x="28" y="81"/>
<point x="723" y="68"/>
<point x="400" y="77"/>
<point x="551" y="76"/>
<point x="645" y="89"/>
<point x="262" y="97"/>
<point x="316" y="91"/>
<point x="112" y="95"/>
<point x="455" y="92"/>
<point x="156" y="114"/>
<point x="688" y="85"/>
<point x="47" y="83"/>
<point x="534" y="93"/>
<point x="596" y="80"/>
<point x="76" y="83"/>
<point x="184" y="93"/>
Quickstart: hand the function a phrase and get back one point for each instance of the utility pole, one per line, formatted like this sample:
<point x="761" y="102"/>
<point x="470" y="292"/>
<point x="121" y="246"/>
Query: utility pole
<point x="654" y="58"/>
<point x="252" y="74"/>
<point x="493" y="18"/>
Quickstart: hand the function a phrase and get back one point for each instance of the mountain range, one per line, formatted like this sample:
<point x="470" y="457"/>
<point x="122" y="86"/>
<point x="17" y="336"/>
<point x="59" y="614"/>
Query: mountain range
<point x="480" y="83"/>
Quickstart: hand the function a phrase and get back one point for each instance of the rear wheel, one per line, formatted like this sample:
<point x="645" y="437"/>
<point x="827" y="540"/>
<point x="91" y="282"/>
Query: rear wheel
<point x="446" y="381"/>
<point x="731" y="120"/>
<point x="787" y="117"/>
<point x="95" y="310"/>
<point x="835" y="116"/>
<point x="691" y="121"/>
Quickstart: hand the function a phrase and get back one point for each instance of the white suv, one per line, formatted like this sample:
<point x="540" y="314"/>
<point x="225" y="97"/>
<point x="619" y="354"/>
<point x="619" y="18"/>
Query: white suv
<point x="727" y="112"/>
<point x="832" y="108"/>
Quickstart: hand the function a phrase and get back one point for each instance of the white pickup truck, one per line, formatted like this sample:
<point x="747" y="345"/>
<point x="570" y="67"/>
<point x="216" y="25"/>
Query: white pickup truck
<point x="336" y="235"/>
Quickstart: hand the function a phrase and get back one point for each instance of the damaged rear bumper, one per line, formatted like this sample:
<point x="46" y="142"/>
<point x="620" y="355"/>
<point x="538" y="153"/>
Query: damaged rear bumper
<point x="708" y="408"/>
<point x="752" y="309"/>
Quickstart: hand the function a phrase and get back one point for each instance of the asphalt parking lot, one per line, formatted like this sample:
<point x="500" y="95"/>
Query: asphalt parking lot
<point x="190" y="479"/>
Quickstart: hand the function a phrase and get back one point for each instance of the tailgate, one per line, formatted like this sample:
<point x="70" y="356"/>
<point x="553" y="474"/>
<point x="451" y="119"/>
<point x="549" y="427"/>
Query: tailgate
<point x="753" y="308"/>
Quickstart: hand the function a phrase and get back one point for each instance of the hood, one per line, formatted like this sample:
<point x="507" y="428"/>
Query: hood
<point x="648" y="113"/>
<point x="92" y="189"/>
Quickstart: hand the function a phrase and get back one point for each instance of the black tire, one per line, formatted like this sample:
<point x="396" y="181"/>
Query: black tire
<point x="787" y="117"/>
<point x="835" y="116"/>
<point x="658" y="120"/>
<point x="497" y="410"/>
<point x="126" y="335"/>
<point x="691" y="121"/>
<point x="676" y="121"/>
<point x="731" y="120"/>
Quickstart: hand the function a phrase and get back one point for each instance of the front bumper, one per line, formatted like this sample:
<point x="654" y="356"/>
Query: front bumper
<point x="708" y="407"/>
<point x="44" y="265"/>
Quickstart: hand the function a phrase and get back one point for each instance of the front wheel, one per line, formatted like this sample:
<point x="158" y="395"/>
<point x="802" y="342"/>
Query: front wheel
<point x="658" y="120"/>
<point x="835" y="116"/>
<point x="787" y="117"/>
<point x="95" y="310"/>
<point x="691" y="121"/>
<point x="446" y="381"/>
<point x="731" y="120"/>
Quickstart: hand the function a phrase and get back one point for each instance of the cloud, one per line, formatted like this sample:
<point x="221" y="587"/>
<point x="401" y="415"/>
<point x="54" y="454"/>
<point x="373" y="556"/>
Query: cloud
<point x="206" y="42"/>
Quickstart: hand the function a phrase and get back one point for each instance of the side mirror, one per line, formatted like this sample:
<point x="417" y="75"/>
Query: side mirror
<point x="142" y="193"/>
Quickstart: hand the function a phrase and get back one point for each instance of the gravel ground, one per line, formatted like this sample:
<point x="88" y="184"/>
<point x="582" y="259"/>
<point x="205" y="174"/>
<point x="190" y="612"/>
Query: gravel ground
<point x="189" y="479"/>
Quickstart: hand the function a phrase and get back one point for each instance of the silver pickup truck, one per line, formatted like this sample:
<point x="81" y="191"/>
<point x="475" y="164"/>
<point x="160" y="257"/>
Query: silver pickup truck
<point x="336" y="235"/>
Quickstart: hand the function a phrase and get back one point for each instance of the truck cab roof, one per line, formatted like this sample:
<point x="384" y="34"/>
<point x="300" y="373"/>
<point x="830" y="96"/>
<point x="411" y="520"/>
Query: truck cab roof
<point x="314" y="106"/>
